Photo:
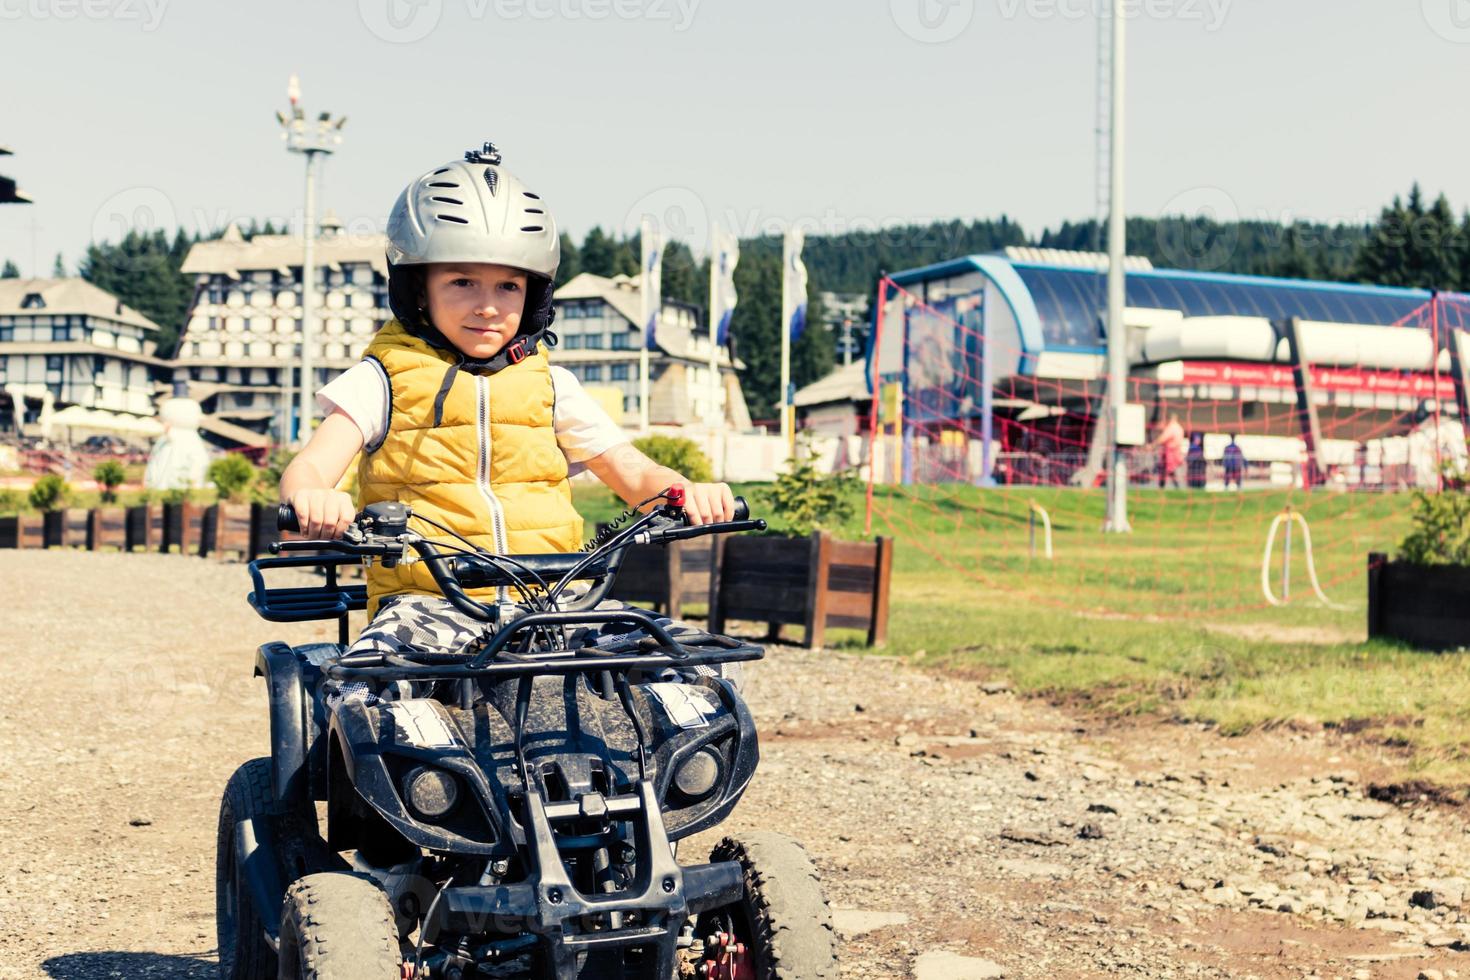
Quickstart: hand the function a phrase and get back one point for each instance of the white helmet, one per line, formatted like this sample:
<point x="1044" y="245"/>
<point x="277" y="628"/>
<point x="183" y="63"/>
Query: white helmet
<point x="473" y="210"/>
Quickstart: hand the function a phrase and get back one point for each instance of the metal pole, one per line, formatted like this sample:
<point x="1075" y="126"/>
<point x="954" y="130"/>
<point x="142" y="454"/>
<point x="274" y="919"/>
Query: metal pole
<point x="1117" y="514"/>
<point x="308" y="307"/>
<point x="1286" y="560"/>
<point x="785" y="399"/>
<point x="714" y="417"/>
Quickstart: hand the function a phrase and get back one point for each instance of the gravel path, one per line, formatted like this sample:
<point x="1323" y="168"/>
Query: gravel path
<point x="960" y="833"/>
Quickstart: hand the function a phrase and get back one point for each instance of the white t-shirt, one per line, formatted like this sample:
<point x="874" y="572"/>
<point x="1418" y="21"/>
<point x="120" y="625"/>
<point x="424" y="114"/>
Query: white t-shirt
<point x="583" y="429"/>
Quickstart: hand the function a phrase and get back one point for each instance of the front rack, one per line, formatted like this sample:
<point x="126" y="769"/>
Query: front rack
<point x="307" y="603"/>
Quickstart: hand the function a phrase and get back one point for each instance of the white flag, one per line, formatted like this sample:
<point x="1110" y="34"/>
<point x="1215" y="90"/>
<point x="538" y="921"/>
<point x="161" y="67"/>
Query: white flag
<point x="793" y="284"/>
<point x="651" y="287"/>
<point x="726" y="256"/>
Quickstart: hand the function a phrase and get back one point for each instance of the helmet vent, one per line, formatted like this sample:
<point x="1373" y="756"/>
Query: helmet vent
<point x="443" y="183"/>
<point x="447" y="200"/>
<point x="491" y="179"/>
<point x="441" y="170"/>
<point x="533" y="228"/>
<point x="534" y="197"/>
<point x="450" y="217"/>
<point x="534" y="211"/>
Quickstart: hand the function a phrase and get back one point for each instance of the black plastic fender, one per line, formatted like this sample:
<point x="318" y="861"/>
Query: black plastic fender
<point x="290" y="720"/>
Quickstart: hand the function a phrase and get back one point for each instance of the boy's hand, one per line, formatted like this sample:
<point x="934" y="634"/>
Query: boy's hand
<point x="707" y="503"/>
<point x="323" y="513"/>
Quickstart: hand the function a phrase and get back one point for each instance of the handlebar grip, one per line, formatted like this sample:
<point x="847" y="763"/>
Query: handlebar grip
<point x="286" y="518"/>
<point x="742" y="509"/>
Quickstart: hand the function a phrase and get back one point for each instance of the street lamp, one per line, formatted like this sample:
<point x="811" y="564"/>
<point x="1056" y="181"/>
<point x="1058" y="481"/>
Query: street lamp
<point x="311" y="138"/>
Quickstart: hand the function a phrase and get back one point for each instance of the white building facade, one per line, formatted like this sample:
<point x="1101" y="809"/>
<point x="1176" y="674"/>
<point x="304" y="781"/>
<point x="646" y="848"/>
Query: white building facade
<point x="66" y="342"/>
<point x="241" y="348"/>
<point x="597" y="322"/>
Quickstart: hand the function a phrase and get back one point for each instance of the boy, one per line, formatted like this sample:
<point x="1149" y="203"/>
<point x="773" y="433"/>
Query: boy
<point x="456" y="410"/>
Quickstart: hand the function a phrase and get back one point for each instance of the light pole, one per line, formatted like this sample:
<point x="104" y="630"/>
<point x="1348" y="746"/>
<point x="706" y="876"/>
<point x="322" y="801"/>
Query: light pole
<point x="311" y="139"/>
<point x="1117" y="508"/>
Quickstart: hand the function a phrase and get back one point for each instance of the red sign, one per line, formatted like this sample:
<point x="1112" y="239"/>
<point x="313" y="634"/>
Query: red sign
<point x="1416" y="383"/>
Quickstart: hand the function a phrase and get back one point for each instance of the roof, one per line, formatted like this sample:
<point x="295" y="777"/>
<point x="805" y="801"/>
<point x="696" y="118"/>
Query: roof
<point x="847" y="383"/>
<point x="1061" y="305"/>
<point x="68" y="297"/>
<point x="231" y="253"/>
<point x="624" y="294"/>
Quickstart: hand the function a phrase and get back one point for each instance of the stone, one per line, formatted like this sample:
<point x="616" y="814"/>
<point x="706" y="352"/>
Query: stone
<point x="1090" y="831"/>
<point x="855" y="922"/>
<point x="995" y="687"/>
<point x="940" y="964"/>
<point x="1430" y="975"/>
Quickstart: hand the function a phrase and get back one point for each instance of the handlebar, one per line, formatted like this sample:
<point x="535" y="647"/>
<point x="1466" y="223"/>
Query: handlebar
<point x="381" y="531"/>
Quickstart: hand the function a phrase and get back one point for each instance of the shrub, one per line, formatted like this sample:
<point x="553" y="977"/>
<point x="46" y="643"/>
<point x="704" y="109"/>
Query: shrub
<point x="49" y="493"/>
<point x="110" y="475"/>
<point x="681" y="455"/>
<point x="1440" y="532"/>
<point x="11" y="502"/>
<point x="806" y="499"/>
<point x="231" y="474"/>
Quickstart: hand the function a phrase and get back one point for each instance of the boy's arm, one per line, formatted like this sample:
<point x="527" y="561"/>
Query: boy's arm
<point x="309" y="482"/>
<point x="634" y="477"/>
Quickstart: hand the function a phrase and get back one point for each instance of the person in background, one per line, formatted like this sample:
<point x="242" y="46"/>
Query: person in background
<point x="1170" y="444"/>
<point x="1234" y="459"/>
<point x="1194" y="461"/>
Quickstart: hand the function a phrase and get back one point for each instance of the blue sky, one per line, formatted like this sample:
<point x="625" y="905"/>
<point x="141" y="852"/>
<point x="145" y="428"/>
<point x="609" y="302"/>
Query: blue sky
<point x="754" y="113"/>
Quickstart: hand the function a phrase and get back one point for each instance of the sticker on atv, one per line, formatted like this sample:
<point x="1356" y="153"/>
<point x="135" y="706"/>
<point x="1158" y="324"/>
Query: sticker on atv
<point x="418" y="723"/>
<point x="686" y="706"/>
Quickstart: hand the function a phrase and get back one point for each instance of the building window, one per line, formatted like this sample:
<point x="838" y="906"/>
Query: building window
<point x="61" y="333"/>
<point x="7" y="334"/>
<point x="592" y="372"/>
<point x="594" y="341"/>
<point x="33" y="301"/>
<point x="573" y="341"/>
<point x="53" y="362"/>
<point x="630" y="403"/>
<point x="618" y="372"/>
<point x="622" y="340"/>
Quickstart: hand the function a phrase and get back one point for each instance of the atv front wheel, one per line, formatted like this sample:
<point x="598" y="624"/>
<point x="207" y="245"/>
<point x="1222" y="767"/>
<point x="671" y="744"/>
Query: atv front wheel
<point x="244" y="953"/>
<point x="338" y="926"/>
<point x="782" y="928"/>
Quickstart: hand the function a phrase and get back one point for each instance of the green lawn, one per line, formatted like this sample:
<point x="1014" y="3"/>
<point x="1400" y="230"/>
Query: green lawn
<point x="1169" y="619"/>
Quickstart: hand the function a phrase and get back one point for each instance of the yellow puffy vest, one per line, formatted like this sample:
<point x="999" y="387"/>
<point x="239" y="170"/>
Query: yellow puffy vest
<point x="491" y="469"/>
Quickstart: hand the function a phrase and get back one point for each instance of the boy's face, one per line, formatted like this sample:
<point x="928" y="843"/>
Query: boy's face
<point x="475" y="305"/>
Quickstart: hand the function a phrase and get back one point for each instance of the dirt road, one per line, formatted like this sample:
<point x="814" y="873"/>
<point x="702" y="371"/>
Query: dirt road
<point x="961" y="833"/>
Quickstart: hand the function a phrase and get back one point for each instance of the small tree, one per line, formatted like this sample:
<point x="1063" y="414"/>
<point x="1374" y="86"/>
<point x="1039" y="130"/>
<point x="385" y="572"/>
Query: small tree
<point x="1440" y="533"/>
<point x="49" y="493"/>
<point x="110" y="475"/>
<point x="231" y="474"/>
<point x="806" y="499"/>
<point x="681" y="455"/>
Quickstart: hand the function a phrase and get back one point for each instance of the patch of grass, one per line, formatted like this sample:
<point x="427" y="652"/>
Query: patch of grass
<point x="1169" y="619"/>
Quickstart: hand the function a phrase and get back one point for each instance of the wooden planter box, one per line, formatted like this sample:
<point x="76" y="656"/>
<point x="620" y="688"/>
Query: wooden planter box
<point x="23" y="531"/>
<point x="231" y="530"/>
<point x="107" y="527"/>
<point x="145" y="527"/>
<point x="263" y="531"/>
<point x="66" y="528"/>
<point x="1423" y="605"/>
<point x="666" y="575"/>
<point x="184" y="528"/>
<point x="815" y="582"/>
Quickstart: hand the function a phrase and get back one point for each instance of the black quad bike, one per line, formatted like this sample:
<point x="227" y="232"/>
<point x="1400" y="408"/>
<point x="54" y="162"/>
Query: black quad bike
<point x="511" y="810"/>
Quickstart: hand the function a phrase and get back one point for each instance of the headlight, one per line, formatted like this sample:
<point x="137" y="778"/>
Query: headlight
<point x="431" y="792"/>
<point x="697" y="775"/>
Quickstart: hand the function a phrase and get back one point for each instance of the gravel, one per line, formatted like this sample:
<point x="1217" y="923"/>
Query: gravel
<point x="956" y="830"/>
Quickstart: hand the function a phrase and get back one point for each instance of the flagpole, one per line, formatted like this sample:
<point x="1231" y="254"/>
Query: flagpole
<point x="786" y="341"/>
<point x="714" y="417"/>
<point x="645" y="293"/>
